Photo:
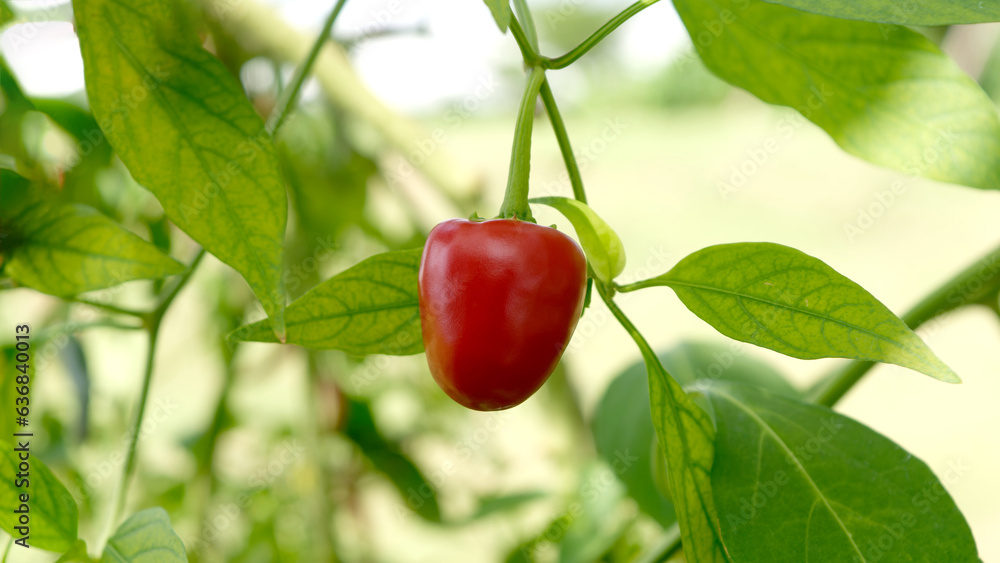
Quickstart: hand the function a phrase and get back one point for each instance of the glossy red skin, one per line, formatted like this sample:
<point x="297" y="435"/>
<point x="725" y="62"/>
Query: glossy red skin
<point x="499" y="301"/>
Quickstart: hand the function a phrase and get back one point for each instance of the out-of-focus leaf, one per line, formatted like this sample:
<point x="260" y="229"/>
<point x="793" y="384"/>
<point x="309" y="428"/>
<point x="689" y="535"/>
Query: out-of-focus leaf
<point x="599" y="522"/>
<point x="371" y="308"/>
<point x="501" y="12"/>
<point x="78" y="554"/>
<point x="64" y="249"/>
<point x="689" y="362"/>
<point x="883" y="92"/>
<point x="623" y="432"/>
<point x="416" y="491"/>
<point x="8" y="384"/>
<point x="146" y="537"/>
<point x="491" y="505"/>
<point x="933" y="13"/>
<point x="90" y="154"/>
<point x="189" y="134"/>
<point x="15" y="106"/>
<point x="989" y="78"/>
<point x="51" y="509"/>
<point x="6" y="14"/>
<point x="587" y="527"/>
<point x="328" y="179"/>
<point x="793" y="480"/>
<point x="780" y="298"/>
<point x="75" y="361"/>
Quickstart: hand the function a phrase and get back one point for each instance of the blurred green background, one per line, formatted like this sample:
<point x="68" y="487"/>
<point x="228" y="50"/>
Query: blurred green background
<point x="265" y="453"/>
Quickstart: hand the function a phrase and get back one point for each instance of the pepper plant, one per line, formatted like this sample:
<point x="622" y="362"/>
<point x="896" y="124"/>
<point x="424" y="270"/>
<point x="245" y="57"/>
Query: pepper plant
<point x="742" y="465"/>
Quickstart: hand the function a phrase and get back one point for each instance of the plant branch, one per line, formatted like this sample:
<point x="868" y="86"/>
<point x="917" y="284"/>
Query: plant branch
<point x="528" y="53"/>
<point x="515" y="201"/>
<point x="524" y="14"/>
<point x="153" y="323"/>
<point x="165" y="303"/>
<point x="72" y="327"/>
<point x="977" y="284"/>
<point x="111" y="308"/>
<point x="590" y="42"/>
<point x="289" y="95"/>
<point x="608" y="297"/>
<point x="565" y="148"/>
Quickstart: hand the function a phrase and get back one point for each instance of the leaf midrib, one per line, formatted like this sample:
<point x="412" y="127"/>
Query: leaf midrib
<point x="671" y="282"/>
<point x="353" y="312"/>
<point x="30" y="244"/>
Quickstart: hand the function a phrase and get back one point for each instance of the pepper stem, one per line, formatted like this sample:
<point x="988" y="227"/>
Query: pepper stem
<point x="515" y="200"/>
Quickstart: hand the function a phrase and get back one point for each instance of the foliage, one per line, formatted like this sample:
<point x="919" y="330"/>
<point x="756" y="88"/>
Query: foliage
<point x="172" y="160"/>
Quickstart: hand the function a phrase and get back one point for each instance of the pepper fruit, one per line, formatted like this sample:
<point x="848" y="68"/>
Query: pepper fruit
<point x="499" y="301"/>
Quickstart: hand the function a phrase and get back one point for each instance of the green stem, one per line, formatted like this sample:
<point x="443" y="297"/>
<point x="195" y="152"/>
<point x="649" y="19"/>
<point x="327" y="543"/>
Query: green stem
<point x="662" y="551"/>
<point x="162" y="308"/>
<point x="515" y="200"/>
<point x="565" y="148"/>
<point x="154" y="332"/>
<point x="640" y="340"/>
<point x="6" y="551"/>
<point x="605" y="30"/>
<point x="288" y="97"/>
<point x="71" y="327"/>
<point x="641" y="284"/>
<point x="324" y="475"/>
<point x="111" y="308"/>
<point x="977" y="284"/>
<point x="153" y="325"/>
<point x="530" y="55"/>
<point x="524" y="14"/>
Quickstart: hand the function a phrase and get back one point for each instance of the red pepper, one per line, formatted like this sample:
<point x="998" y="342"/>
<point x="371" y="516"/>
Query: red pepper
<point x="499" y="301"/>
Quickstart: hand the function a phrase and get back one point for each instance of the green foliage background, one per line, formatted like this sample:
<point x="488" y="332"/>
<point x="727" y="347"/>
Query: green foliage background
<point x="258" y="452"/>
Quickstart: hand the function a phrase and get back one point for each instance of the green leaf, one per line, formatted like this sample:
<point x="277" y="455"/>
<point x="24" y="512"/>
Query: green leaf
<point x="798" y="482"/>
<point x="182" y="125"/>
<point x="146" y="537"/>
<point x="588" y="525"/>
<point x="64" y="249"/>
<point x="623" y="428"/>
<point x="989" y="78"/>
<point x="501" y="12"/>
<point x="78" y="554"/>
<point x="884" y="93"/>
<point x="8" y="387"/>
<point x="51" y="509"/>
<point x="498" y="504"/>
<point x="6" y="14"/>
<point x="783" y="299"/>
<point x="686" y="437"/>
<point x="417" y="492"/>
<point x="690" y="362"/>
<point x="327" y="178"/>
<point x="623" y="435"/>
<point x="920" y="12"/>
<point x="372" y="308"/>
<point x="605" y="251"/>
